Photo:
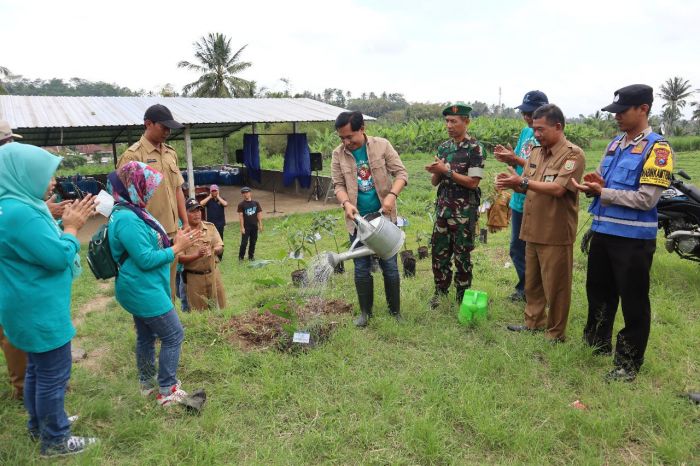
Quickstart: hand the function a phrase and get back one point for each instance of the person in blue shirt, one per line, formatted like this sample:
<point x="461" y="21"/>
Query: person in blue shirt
<point x="39" y="263"/>
<point x="143" y="284"/>
<point x="518" y="158"/>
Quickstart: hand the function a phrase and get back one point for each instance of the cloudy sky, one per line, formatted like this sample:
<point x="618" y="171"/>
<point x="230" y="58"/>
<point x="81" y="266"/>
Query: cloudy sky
<point x="577" y="52"/>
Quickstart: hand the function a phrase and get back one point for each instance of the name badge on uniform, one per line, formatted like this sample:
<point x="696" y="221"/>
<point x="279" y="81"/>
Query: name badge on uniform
<point x="150" y="161"/>
<point x="549" y="178"/>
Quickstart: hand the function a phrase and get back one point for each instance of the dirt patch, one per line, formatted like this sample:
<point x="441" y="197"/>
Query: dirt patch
<point x="99" y="303"/>
<point x="261" y="330"/>
<point x="93" y="359"/>
<point x="255" y="330"/>
<point x="315" y="307"/>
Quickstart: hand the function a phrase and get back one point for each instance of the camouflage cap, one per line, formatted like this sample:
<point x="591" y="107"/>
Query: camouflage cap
<point x="459" y="108"/>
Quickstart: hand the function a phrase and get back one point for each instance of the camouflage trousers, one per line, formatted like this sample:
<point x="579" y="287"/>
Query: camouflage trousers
<point x="452" y="237"/>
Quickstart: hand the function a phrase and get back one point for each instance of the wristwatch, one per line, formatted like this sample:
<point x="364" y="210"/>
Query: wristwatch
<point x="449" y="174"/>
<point x="524" y="184"/>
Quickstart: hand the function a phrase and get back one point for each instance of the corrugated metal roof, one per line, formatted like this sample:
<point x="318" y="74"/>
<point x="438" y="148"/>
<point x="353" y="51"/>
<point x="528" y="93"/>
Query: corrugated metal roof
<point x="49" y="121"/>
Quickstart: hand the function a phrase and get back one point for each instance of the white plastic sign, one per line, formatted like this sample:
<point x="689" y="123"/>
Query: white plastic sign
<point x="301" y="337"/>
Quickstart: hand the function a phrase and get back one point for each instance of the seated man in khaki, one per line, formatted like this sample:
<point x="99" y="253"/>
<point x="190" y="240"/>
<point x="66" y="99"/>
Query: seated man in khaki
<point x="201" y="274"/>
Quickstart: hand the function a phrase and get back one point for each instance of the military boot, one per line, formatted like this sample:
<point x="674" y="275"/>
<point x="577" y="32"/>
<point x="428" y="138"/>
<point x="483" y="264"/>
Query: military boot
<point x="460" y="295"/>
<point x="392" y="289"/>
<point x="365" y="296"/>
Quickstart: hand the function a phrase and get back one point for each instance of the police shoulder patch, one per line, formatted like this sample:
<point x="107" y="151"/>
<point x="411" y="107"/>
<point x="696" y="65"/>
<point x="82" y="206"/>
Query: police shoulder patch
<point x="569" y="164"/>
<point x="661" y="152"/>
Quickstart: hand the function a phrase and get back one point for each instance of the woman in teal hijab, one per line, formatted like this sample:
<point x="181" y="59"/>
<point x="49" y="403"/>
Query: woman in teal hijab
<point x="39" y="262"/>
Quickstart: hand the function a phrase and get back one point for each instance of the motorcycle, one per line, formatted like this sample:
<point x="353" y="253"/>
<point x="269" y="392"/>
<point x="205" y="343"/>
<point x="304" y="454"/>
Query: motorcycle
<point x="679" y="217"/>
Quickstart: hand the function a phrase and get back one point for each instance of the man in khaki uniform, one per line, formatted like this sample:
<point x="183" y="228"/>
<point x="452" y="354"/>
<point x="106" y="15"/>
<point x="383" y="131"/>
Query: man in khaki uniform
<point x="201" y="273"/>
<point x="168" y="202"/>
<point x="549" y="223"/>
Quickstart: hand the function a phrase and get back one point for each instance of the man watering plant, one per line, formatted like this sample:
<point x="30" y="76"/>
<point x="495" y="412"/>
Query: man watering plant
<point x="368" y="176"/>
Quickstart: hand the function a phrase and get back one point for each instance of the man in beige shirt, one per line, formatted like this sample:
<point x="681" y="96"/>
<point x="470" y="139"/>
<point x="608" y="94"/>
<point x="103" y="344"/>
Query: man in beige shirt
<point x="168" y="202"/>
<point x="549" y="222"/>
<point x="368" y="177"/>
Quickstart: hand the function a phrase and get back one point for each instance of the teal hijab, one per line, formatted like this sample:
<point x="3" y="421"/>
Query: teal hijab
<point x="25" y="173"/>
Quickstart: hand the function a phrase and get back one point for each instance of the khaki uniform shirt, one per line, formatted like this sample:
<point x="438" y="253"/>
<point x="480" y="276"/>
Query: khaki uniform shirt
<point x="163" y="204"/>
<point x="384" y="162"/>
<point x="210" y="238"/>
<point x="547" y="219"/>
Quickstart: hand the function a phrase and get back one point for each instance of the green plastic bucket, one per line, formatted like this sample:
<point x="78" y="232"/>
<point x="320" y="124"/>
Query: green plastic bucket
<point x="474" y="306"/>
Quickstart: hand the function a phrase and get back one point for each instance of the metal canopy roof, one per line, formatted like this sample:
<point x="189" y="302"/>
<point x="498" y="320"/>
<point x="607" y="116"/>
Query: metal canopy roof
<point x="62" y="121"/>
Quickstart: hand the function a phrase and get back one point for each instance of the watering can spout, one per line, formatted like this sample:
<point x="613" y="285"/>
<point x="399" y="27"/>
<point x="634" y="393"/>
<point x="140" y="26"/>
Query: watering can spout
<point x="336" y="258"/>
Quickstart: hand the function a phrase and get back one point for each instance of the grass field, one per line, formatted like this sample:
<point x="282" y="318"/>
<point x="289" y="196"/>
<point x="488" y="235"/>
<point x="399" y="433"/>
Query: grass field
<point x="428" y="391"/>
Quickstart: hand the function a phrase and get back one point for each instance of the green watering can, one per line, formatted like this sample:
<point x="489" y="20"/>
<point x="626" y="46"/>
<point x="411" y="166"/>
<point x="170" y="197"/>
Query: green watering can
<point x="474" y="306"/>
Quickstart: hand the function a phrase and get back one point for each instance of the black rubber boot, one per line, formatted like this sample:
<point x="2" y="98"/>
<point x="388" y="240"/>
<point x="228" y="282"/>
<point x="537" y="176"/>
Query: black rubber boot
<point x="460" y="295"/>
<point x="365" y="296"/>
<point x="392" y="289"/>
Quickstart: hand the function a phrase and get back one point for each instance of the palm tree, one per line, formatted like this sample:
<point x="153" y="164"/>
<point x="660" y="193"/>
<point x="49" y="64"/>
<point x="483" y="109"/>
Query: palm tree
<point x="218" y="68"/>
<point x="696" y="113"/>
<point x="674" y="91"/>
<point x="4" y="72"/>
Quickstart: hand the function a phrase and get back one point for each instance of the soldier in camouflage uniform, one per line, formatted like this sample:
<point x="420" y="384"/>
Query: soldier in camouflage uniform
<point x="456" y="171"/>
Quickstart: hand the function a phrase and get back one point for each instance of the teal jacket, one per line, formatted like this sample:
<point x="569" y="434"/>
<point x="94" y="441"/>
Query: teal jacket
<point x="36" y="278"/>
<point x="143" y="284"/>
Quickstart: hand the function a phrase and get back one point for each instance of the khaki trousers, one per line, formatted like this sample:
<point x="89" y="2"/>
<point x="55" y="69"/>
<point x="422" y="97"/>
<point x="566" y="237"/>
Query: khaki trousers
<point x="16" y="365"/>
<point x="173" y="280"/>
<point x="548" y="276"/>
<point x="201" y="289"/>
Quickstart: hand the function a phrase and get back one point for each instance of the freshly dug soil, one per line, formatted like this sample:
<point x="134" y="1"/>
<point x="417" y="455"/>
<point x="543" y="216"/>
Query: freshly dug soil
<point x="254" y="330"/>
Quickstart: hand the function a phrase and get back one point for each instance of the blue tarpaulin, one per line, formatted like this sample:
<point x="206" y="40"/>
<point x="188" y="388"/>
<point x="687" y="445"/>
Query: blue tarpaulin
<point x="297" y="161"/>
<point x="251" y="156"/>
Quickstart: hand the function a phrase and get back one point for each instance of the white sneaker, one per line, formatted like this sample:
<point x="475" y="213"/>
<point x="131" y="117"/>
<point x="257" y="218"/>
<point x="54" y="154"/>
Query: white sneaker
<point x="175" y="396"/>
<point x="71" y="446"/>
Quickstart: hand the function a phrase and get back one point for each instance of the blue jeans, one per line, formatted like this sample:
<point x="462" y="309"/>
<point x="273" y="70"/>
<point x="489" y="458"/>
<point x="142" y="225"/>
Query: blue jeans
<point x="167" y="327"/>
<point x="182" y="292"/>
<point x="44" y="394"/>
<point x="517" y="249"/>
<point x="363" y="266"/>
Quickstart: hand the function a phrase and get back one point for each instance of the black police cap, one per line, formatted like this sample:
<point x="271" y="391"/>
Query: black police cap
<point x="630" y="96"/>
<point x="161" y="114"/>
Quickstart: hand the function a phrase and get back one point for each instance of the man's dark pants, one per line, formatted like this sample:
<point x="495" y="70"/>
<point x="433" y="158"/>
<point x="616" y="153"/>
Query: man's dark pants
<point x="252" y="235"/>
<point x="618" y="270"/>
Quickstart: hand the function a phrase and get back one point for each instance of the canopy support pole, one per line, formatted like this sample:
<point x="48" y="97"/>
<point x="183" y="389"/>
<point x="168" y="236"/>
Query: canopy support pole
<point x="224" y="149"/>
<point x="190" y="166"/>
